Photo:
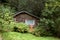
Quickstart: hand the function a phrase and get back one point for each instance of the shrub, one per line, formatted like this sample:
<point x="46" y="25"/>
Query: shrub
<point x="47" y="28"/>
<point x="6" y="18"/>
<point x="44" y="28"/>
<point x="41" y="31"/>
<point x="21" y="27"/>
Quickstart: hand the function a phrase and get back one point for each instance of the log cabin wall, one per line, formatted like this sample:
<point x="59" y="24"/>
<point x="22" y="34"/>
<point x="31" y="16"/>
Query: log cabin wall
<point x="22" y="17"/>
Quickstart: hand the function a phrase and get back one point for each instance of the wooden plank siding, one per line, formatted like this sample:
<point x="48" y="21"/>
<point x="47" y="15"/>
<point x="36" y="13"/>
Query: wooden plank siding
<point x="22" y="17"/>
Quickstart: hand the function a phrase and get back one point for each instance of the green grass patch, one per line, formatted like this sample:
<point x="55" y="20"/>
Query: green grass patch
<point x="26" y="36"/>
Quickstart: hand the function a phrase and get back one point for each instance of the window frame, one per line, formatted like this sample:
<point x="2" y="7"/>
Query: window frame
<point x="30" y="23"/>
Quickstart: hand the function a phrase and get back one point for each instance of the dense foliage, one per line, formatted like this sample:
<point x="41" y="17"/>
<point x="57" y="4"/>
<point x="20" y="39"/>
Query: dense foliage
<point x="21" y="27"/>
<point x="7" y="22"/>
<point x="32" y="6"/>
<point x="50" y="19"/>
<point x="6" y="18"/>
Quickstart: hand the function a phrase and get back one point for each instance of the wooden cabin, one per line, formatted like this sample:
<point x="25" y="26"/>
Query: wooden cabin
<point x="26" y="18"/>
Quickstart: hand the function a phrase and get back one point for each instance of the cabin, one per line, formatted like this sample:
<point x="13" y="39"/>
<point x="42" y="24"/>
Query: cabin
<point x="26" y="18"/>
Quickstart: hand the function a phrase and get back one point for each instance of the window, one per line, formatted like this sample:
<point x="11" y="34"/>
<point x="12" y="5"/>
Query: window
<point x="30" y="22"/>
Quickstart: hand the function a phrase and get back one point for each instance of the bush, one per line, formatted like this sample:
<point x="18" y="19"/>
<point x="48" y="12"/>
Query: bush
<point x="44" y="28"/>
<point x="42" y="31"/>
<point x="6" y="18"/>
<point x="49" y="20"/>
<point x="47" y="28"/>
<point x="21" y="27"/>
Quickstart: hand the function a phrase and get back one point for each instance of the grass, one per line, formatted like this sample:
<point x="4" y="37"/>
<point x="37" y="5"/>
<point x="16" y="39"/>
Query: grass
<point x="20" y="36"/>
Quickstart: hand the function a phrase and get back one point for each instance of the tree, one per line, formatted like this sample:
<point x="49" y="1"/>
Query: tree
<point x="50" y="19"/>
<point x="32" y="6"/>
<point x="6" y="18"/>
<point x="52" y="15"/>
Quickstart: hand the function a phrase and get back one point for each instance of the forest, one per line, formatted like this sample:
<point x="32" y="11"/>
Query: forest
<point x="48" y="27"/>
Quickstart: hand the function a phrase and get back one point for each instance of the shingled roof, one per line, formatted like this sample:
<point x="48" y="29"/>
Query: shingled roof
<point x="22" y="12"/>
